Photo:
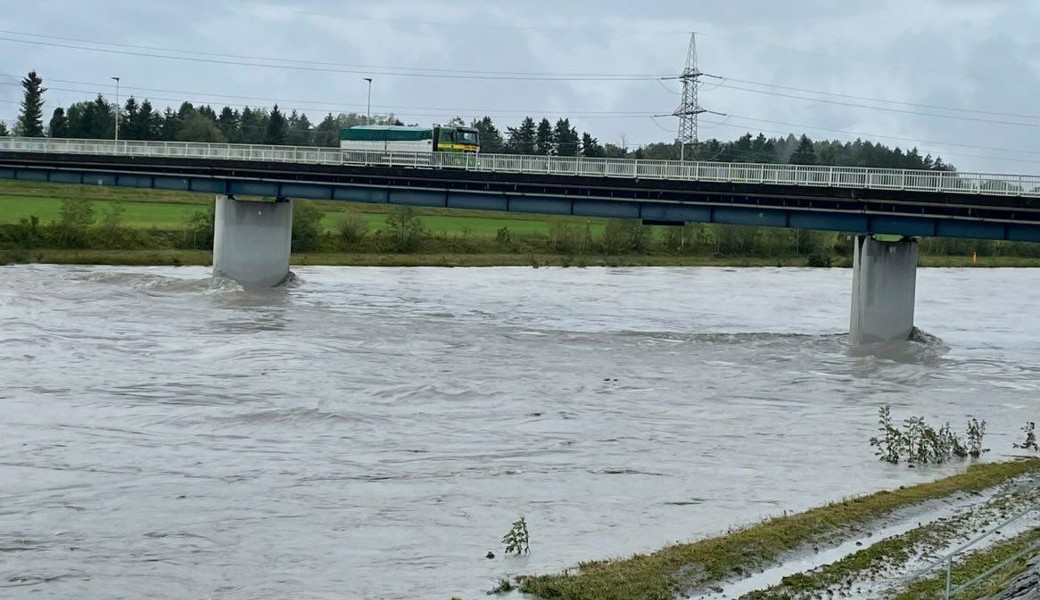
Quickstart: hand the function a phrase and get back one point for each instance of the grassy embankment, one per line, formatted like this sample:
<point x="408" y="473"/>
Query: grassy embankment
<point x="889" y="562"/>
<point x="167" y="213"/>
<point x="975" y="566"/>
<point x="684" y="567"/>
<point x="175" y="257"/>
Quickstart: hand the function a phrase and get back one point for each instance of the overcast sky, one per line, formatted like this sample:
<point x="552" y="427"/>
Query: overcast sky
<point x="953" y="77"/>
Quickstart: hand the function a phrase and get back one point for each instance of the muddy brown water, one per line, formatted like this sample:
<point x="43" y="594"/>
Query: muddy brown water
<point x="374" y="432"/>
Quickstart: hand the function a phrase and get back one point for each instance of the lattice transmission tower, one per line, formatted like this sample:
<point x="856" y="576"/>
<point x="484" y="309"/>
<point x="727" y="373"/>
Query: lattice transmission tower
<point x="689" y="108"/>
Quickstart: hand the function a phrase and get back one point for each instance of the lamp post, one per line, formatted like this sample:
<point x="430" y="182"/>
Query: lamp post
<point x="368" y="110"/>
<point x="117" y="109"/>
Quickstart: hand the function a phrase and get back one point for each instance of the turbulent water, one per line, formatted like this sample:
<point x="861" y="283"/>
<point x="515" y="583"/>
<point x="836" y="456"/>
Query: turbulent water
<point x="373" y="433"/>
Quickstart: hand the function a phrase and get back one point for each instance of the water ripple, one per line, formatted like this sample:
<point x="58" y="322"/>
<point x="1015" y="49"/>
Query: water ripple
<point x="373" y="432"/>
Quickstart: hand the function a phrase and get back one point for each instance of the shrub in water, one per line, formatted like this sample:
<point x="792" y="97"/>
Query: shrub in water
<point x="516" y="540"/>
<point x="1030" y="441"/>
<point x="918" y="442"/>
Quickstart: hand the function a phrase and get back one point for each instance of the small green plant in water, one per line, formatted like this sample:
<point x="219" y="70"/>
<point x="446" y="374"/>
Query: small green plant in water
<point x="504" y="585"/>
<point x="517" y="540"/>
<point x="976" y="431"/>
<point x="919" y="442"/>
<point x="1030" y="442"/>
<point x="891" y="438"/>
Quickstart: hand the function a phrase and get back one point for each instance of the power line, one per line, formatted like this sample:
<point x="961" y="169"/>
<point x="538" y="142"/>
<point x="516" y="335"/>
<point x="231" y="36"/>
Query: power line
<point x="668" y="89"/>
<point x="238" y="60"/>
<point x="882" y="100"/>
<point x="289" y="102"/>
<point x="522" y="76"/>
<point x="428" y="112"/>
<point x="436" y="112"/>
<point x="319" y="63"/>
<point x="504" y="75"/>
<point x="635" y="114"/>
<point x="653" y="119"/>
<point x="470" y="110"/>
<point x="741" y="39"/>
<point x="484" y="24"/>
<point x="886" y="109"/>
<point x="744" y="41"/>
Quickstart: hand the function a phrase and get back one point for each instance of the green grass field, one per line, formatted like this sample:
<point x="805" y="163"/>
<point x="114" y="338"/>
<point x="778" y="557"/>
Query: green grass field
<point x="162" y="215"/>
<point x="170" y="210"/>
<point x="166" y="210"/>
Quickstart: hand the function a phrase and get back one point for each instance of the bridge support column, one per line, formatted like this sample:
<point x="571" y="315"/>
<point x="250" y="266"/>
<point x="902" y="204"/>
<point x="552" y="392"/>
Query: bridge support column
<point x="884" y="281"/>
<point x="252" y="241"/>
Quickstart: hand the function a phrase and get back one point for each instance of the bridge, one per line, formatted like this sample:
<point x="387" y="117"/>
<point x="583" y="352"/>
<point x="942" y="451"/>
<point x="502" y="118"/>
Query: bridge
<point x="252" y="239"/>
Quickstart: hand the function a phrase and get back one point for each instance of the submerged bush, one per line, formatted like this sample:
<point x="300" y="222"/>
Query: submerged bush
<point x="919" y="442"/>
<point x="1030" y="442"/>
<point x="516" y="540"/>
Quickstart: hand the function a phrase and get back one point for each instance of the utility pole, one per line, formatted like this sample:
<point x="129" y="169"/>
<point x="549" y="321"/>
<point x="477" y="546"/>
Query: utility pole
<point x="689" y="108"/>
<point x="117" y="110"/>
<point x="368" y="110"/>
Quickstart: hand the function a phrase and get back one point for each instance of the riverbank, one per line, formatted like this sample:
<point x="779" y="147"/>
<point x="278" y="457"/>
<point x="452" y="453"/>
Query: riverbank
<point x="173" y="257"/>
<point x="70" y="224"/>
<point x="987" y="492"/>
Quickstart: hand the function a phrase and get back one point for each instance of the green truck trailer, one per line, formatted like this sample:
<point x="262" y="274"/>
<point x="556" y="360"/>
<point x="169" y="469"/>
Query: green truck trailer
<point x="397" y="138"/>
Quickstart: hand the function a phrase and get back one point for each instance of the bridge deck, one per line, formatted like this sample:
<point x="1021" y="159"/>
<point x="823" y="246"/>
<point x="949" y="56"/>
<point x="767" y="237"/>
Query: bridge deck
<point x="825" y="198"/>
<point x="799" y="175"/>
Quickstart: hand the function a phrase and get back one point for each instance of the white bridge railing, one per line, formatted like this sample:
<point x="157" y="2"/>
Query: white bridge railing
<point x="621" y="168"/>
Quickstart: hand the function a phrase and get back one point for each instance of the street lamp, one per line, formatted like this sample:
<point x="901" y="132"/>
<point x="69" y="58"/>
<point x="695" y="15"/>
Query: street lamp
<point x="368" y="111"/>
<point x="117" y="109"/>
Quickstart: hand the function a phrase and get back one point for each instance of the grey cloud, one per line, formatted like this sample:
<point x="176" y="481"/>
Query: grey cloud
<point x="952" y="53"/>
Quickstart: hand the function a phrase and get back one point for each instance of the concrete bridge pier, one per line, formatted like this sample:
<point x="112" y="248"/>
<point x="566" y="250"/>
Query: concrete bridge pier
<point x="884" y="281"/>
<point x="252" y="241"/>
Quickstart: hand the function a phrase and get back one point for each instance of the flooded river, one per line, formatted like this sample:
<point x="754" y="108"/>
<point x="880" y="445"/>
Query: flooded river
<point x="372" y="433"/>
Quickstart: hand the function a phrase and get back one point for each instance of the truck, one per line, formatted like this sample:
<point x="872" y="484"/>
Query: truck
<point x="400" y="138"/>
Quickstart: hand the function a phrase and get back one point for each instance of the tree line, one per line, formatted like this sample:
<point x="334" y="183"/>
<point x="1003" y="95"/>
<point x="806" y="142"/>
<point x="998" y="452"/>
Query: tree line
<point x="140" y="120"/>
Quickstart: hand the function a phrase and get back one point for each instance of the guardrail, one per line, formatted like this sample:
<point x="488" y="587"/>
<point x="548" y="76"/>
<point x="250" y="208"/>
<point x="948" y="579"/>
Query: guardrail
<point x="946" y="562"/>
<point x="749" y="173"/>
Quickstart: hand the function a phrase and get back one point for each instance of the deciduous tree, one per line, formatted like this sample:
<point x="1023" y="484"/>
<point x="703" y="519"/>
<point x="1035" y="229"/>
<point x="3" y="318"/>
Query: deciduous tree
<point x="198" y="128"/>
<point x="59" y="125"/>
